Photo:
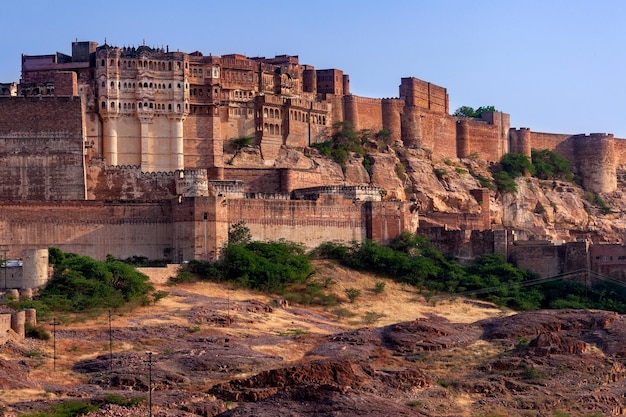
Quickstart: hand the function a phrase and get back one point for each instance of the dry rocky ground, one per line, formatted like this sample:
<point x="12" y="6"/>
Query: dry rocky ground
<point x="229" y="352"/>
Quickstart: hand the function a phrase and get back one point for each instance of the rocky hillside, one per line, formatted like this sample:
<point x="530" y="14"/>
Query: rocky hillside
<point x="540" y="209"/>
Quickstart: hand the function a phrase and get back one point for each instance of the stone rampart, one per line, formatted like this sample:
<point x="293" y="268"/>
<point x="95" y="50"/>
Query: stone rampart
<point x="331" y="218"/>
<point x="364" y="113"/>
<point x="41" y="147"/>
<point x="93" y="228"/>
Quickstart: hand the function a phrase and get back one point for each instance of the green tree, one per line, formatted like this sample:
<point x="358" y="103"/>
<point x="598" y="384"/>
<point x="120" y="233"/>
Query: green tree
<point x="550" y="165"/>
<point x="467" y="111"/>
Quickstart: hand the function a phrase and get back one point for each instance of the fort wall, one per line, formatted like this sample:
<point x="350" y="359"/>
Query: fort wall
<point x="364" y="113"/>
<point x="107" y="182"/>
<point x="41" y="145"/>
<point x="92" y="228"/>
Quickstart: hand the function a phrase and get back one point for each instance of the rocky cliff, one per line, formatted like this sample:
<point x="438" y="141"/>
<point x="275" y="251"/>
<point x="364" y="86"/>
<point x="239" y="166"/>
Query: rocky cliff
<point x="540" y="209"/>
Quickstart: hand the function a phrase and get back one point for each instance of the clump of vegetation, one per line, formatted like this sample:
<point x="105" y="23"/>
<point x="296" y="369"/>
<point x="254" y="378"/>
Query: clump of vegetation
<point x="550" y="165"/>
<point x="412" y="259"/>
<point x="81" y="283"/>
<point x="544" y="164"/>
<point x="598" y="201"/>
<point x="352" y="294"/>
<point x="36" y="332"/>
<point x="72" y="408"/>
<point x="279" y="267"/>
<point x="379" y="287"/>
<point x="241" y="142"/>
<point x="467" y="111"/>
<point x="440" y="173"/>
<point x="400" y="171"/>
<point x="344" y="142"/>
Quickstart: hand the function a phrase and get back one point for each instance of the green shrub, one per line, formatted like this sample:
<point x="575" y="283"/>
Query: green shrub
<point x="550" y="165"/>
<point x="379" y="287"/>
<point x="81" y="283"/>
<point x="504" y="182"/>
<point x="36" y="332"/>
<point x="241" y="142"/>
<point x="517" y="165"/>
<point x="352" y="294"/>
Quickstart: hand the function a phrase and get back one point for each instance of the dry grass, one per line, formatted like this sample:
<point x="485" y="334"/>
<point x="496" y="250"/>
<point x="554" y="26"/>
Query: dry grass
<point x="396" y="303"/>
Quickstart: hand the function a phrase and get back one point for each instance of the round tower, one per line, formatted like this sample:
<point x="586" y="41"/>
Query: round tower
<point x="462" y="139"/>
<point x="392" y="109"/>
<point x="595" y="159"/>
<point x="411" y="127"/>
<point x="520" y="141"/>
<point x="34" y="268"/>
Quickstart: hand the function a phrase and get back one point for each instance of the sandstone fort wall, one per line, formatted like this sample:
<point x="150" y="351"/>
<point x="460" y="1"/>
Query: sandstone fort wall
<point x="41" y="143"/>
<point x="93" y="228"/>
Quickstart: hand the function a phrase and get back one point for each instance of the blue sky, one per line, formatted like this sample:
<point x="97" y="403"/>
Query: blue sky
<point x="554" y="66"/>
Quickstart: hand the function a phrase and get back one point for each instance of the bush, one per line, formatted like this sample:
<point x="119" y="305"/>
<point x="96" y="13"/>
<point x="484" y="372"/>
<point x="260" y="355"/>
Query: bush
<point x="81" y="283"/>
<point x="504" y="182"/>
<point x="352" y="294"/>
<point x="550" y="165"/>
<point x="241" y="142"/>
<point x="36" y="332"/>
<point x="517" y="165"/>
<point x="379" y="287"/>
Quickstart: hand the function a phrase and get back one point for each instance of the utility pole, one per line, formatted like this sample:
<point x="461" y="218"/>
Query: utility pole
<point x="110" y="344"/>
<point x="4" y="249"/>
<point x="150" y="381"/>
<point x="55" y="323"/>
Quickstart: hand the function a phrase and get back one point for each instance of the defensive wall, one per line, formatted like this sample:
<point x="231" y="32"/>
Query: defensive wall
<point x="187" y="228"/>
<point x="41" y="147"/>
<point x="595" y="157"/>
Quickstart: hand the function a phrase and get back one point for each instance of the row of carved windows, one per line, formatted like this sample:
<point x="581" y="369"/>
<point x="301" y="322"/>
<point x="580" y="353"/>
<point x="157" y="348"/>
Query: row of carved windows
<point x="242" y="94"/>
<point x="153" y="65"/>
<point x="140" y="106"/>
<point x="272" y="113"/>
<point x="272" y="129"/>
<point x="144" y="85"/>
<point x="239" y="111"/>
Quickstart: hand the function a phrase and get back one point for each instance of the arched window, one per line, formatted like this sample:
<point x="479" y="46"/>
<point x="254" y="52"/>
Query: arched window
<point x="170" y="86"/>
<point x="265" y="113"/>
<point x="178" y="108"/>
<point x="103" y="105"/>
<point x="102" y="63"/>
<point x="140" y="106"/>
<point x="169" y="66"/>
<point x="112" y="104"/>
<point x="112" y="63"/>
<point x="103" y="85"/>
<point x="169" y="106"/>
<point x="145" y="85"/>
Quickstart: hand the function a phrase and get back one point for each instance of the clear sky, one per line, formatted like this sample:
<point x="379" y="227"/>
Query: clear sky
<point x="555" y="66"/>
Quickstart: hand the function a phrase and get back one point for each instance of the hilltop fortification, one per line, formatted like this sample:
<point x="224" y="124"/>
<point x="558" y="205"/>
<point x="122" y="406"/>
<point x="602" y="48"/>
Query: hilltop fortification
<point x="145" y="135"/>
